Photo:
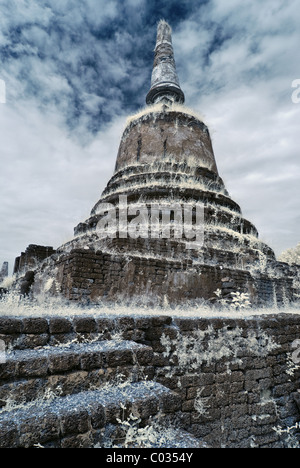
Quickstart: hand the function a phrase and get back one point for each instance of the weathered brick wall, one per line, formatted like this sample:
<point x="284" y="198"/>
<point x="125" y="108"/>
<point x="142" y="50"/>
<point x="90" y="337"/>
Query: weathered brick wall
<point x="30" y="259"/>
<point x="237" y="378"/>
<point x="87" y="276"/>
<point x="4" y="271"/>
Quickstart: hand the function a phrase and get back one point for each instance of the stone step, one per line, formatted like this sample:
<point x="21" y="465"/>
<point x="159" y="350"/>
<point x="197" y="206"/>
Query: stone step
<point x="30" y="374"/>
<point x="31" y="332"/>
<point x="153" y="436"/>
<point x="81" y="420"/>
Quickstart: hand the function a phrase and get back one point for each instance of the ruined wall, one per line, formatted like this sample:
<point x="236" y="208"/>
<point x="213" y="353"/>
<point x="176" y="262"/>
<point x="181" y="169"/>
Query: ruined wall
<point x="3" y="275"/>
<point x="30" y="259"/>
<point x="4" y="271"/>
<point x="88" y="277"/>
<point x="237" y="378"/>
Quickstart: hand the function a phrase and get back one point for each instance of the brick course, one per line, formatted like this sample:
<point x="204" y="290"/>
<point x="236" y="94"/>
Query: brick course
<point x="235" y="377"/>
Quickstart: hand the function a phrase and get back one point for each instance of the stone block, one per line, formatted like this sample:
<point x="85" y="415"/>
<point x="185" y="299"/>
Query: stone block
<point x="32" y="341"/>
<point x="74" y="422"/>
<point x="145" y="408"/>
<point x="296" y="397"/>
<point x="62" y="338"/>
<point x="154" y="334"/>
<point x="7" y="370"/>
<point x="73" y="382"/>
<point x="84" y="324"/>
<point x="188" y="406"/>
<point x="97" y="414"/>
<point x="9" y="437"/>
<point x="161" y="320"/>
<point x="266" y="439"/>
<point x="10" y="326"/>
<point x="170" y="403"/>
<point x="105" y="325"/>
<point x="118" y="358"/>
<point x="37" y="367"/>
<point x="63" y="363"/>
<point x="90" y="361"/>
<point x="32" y="432"/>
<point x="144" y="355"/>
<point x="59" y="325"/>
<point x="124" y="323"/>
<point x="78" y="441"/>
<point x="282" y="390"/>
<point x="113" y="412"/>
<point x="35" y="325"/>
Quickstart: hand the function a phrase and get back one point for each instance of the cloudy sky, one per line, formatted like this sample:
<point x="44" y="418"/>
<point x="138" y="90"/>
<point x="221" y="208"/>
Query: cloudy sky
<point x="74" y="69"/>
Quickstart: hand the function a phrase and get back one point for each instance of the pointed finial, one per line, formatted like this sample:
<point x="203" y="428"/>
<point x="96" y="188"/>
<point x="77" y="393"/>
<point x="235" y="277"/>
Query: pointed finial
<point x="165" y="82"/>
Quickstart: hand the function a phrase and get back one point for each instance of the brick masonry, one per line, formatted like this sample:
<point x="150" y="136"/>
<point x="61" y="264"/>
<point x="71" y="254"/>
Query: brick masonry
<point x="31" y="258"/>
<point x="237" y="378"/>
<point x="88" y="277"/>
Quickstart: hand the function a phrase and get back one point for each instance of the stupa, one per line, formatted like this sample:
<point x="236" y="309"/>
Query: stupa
<point x="165" y="228"/>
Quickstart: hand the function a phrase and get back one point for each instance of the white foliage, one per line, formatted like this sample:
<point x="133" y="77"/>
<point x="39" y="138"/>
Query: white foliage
<point x="210" y="345"/>
<point x="287" y="435"/>
<point x="201" y="404"/>
<point x="240" y="301"/>
<point x="156" y="434"/>
<point x="8" y="282"/>
<point x="136" y="436"/>
<point x="46" y="396"/>
<point x="13" y="305"/>
<point x="291" y="255"/>
<point x="159" y="108"/>
<point x="48" y="285"/>
<point x="292" y="366"/>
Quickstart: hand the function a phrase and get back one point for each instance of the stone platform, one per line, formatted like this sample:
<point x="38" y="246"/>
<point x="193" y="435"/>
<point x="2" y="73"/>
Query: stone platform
<point x="216" y="382"/>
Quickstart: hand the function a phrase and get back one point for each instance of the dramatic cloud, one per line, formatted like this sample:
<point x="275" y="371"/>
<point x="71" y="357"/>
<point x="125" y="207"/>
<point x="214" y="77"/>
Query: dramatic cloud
<point x="75" y="68"/>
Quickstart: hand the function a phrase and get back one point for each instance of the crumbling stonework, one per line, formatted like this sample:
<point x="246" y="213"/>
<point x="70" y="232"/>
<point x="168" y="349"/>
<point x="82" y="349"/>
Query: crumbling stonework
<point x="224" y="382"/>
<point x="31" y="258"/>
<point x="3" y="275"/>
<point x="80" y="382"/>
<point x="86" y="276"/>
<point x="4" y="271"/>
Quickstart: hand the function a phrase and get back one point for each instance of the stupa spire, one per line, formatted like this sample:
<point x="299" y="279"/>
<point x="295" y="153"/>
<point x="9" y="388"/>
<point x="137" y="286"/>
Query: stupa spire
<point x="164" y="83"/>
